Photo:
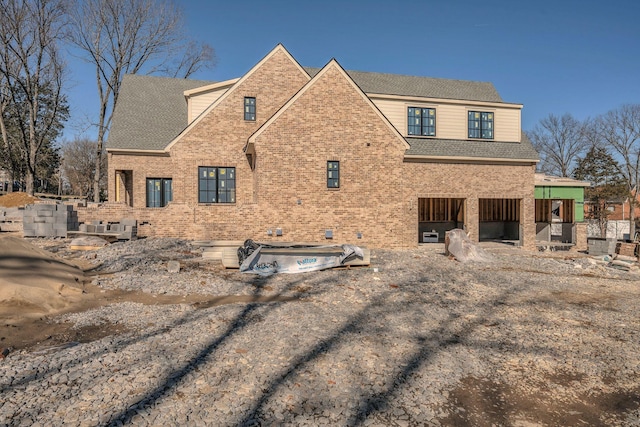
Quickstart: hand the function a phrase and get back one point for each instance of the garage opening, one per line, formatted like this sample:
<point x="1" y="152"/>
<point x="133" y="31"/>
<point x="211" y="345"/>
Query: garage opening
<point x="555" y="220"/>
<point x="499" y="219"/>
<point x="437" y="215"/>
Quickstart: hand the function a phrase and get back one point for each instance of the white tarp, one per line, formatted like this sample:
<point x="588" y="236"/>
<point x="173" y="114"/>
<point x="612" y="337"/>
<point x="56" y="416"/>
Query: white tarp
<point x="260" y="260"/>
<point x="458" y="244"/>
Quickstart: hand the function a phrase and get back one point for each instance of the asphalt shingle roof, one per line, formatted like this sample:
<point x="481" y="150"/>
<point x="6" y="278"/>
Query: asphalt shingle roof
<point x="521" y="150"/>
<point x="151" y="111"/>
<point x="429" y="87"/>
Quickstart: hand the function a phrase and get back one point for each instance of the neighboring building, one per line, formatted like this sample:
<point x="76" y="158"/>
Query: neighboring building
<point x="305" y="154"/>
<point x="617" y="223"/>
<point x="560" y="210"/>
<point x="620" y="210"/>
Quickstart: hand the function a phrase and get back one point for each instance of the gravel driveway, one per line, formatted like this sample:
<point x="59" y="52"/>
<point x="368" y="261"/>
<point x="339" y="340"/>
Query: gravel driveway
<point x="416" y="339"/>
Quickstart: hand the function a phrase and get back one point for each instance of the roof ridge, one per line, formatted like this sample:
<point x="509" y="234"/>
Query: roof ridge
<point x="166" y="78"/>
<point x="408" y="75"/>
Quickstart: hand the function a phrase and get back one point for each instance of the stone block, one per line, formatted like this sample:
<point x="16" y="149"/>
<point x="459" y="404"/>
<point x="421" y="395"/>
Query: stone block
<point x="44" y="207"/>
<point x="129" y="222"/>
<point x="43" y="229"/>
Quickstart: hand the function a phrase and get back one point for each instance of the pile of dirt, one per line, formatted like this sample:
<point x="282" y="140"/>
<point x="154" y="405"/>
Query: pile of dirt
<point x="17" y="199"/>
<point x="34" y="282"/>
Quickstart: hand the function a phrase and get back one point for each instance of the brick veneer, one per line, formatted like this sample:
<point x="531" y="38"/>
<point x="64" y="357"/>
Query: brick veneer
<point x="329" y="120"/>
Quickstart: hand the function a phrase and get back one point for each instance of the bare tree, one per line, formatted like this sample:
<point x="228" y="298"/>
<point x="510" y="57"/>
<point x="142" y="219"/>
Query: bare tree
<point x="128" y="37"/>
<point x="31" y="81"/>
<point x="620" y="129"/>
<point x="78" y="166"/>
<point x="559" y="140"/>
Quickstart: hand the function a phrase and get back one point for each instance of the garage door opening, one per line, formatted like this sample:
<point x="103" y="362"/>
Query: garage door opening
<point x="555" y="220"/>
<point x="438" y="215"/>
<point x="499" y="219"/>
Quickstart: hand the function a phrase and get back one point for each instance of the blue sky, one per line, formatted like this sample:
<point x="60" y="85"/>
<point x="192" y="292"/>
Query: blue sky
<point x="553" y="56"/>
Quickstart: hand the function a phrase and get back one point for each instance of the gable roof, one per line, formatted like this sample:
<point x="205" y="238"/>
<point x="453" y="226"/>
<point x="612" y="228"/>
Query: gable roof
<point x="428" y="87"/>
<point x="331" y="64"/>
<point x="150" y="112"/>
<point x="278" y="48"/>
<point x="423" y="148"/>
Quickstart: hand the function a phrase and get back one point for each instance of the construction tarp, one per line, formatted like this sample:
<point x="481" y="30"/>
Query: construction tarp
<point x="265" y="260"/>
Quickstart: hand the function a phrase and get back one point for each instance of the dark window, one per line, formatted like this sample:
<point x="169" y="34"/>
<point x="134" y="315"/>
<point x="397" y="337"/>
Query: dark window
<point x="249" y="108"/>
<point x="216" y="185"/>
<point x="422" y="121"/>
<point x="159" y="192"/>
<point x="480" y="125"/>
<point x="333" y="174"/>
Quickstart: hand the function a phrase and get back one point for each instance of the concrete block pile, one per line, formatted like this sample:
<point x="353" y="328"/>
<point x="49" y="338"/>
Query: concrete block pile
<point x="11" y="219"/>
<point x="126" y="229"/>
<point x="49" y="220"/>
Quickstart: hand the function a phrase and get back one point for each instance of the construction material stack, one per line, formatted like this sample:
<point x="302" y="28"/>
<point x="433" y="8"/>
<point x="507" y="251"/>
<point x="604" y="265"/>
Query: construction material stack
<point x="48" y="220"/>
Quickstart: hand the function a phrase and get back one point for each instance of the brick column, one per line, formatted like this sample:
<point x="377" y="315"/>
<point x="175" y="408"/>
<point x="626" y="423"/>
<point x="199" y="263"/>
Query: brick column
<point x="581" y="237"/>
<point x="471" y="221"/>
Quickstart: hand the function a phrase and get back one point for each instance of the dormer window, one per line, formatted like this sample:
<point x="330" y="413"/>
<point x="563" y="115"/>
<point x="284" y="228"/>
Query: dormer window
<point x="480" y="125"/>
<point x="421" y="121"/>
<point x="249" y="108"/>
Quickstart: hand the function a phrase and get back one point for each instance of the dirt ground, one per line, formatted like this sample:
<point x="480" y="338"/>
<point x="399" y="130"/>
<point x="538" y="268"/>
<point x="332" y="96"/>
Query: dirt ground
<point x="36" y="284"/>
<point x="65" y="286"/>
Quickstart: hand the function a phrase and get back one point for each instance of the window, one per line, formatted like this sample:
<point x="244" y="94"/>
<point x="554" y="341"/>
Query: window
<point x="333" y="174"/>
<point x="480" y="125"/>
<point x="216" y="185"/>
<point x="422" y="121"/>
<point x="159" y="192"/>
<point x="249" y="108"/>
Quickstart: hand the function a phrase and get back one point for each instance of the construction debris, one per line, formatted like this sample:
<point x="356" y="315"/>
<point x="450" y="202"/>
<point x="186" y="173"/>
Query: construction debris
<point x="173" y="267"/>
<point x="126" y="229"/>
<point x="627" y="249"/>
<point x="265" y="260"/>
<point x="87" y="243"/>
<point x="458" y="245"/>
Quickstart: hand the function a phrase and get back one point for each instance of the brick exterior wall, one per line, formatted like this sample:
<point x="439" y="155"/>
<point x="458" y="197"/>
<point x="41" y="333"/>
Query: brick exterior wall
<point x="329" y="120"/>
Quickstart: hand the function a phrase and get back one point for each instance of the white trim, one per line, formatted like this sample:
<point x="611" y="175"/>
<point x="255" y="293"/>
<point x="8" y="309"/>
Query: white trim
<point x="189" y="93"/>
<point x="468" y="159"/>
<point x="136" y="151"/>
<point x="446" y="101"/>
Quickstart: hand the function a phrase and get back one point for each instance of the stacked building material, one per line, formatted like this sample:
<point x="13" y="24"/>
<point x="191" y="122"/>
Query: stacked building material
<point x="627" y="249"/>
<point x="49" y="220"/>
<point x="126" y="229"/>
<point x="601" y="246"/>
<point x="11" y="219"/>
